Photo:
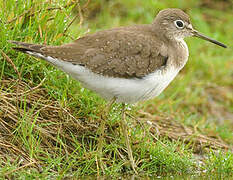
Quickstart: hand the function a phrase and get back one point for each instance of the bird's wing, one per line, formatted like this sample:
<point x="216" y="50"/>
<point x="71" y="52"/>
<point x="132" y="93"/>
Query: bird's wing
<point x="114" y="53"/>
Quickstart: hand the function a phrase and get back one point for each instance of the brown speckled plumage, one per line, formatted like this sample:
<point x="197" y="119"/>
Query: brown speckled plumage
<point x="116" y="53"/>
<point x="127" y="52"/>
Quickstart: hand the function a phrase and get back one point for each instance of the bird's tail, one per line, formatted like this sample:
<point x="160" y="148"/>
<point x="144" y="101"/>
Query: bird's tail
<point x="27" y="47"/>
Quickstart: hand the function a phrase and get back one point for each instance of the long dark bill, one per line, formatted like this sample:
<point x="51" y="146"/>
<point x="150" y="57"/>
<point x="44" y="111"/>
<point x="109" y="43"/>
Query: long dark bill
<point x="202" y="36"/>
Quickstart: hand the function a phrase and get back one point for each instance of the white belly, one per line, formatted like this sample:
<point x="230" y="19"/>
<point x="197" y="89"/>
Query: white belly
<point x="124" y="90"/>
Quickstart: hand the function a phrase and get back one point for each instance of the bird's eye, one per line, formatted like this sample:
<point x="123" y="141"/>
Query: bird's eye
<point x="179" y="24"/>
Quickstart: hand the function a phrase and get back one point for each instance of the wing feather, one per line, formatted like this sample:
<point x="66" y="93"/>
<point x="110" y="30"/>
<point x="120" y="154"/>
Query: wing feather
<point x="120" y="52"/>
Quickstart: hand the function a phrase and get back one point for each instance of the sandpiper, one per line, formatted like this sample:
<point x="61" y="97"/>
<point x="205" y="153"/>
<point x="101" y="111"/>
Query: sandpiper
<point x="127" y="64"/>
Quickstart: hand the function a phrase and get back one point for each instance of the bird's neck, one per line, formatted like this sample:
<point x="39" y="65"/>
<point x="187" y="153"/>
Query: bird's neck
<point x="179" y="51"/>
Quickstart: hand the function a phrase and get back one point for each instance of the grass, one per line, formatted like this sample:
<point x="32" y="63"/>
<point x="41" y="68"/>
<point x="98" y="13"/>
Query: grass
<point x="49" y="122"/>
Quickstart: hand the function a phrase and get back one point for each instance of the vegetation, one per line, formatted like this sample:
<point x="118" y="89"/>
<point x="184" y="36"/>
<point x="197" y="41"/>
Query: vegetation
<point x="49" y="122"/>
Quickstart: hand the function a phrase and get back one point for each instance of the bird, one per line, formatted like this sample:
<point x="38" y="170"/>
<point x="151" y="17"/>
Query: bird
<point x="125" y="64"/>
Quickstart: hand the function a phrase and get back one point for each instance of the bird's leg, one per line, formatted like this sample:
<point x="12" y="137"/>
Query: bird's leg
<point x="125" y="133"/>
<point x="104" y="117"/>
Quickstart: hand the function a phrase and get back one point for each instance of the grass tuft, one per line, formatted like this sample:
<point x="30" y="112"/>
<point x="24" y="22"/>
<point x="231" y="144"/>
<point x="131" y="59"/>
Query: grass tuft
<point x="49" y="122"/>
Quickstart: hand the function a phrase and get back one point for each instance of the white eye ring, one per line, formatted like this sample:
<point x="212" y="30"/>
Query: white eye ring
<point x="179" y="24"/>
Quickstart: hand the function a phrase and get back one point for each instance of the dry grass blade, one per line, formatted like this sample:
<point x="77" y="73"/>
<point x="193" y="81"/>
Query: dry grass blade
<point x="176" y="131"/>
<point x="21" y="167"/>
<point x="18" y="81"/>
<point x="11" y="63"/>
<point x="49" y="117"/>
<point x="80" y="15"/>
<point x="49" y="120"/>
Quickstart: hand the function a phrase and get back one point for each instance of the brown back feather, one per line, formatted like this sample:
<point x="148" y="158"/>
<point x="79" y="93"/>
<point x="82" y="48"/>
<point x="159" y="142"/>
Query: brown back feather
<point x="121" y="52"/>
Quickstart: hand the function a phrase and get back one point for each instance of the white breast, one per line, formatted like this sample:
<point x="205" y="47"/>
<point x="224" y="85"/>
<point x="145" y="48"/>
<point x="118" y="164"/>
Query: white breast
<point x="125" y="90"/>
<point x="182" y="43"/>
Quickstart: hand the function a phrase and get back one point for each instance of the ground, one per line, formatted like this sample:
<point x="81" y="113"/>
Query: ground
<point x="49" y="122"/>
